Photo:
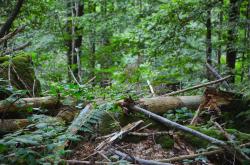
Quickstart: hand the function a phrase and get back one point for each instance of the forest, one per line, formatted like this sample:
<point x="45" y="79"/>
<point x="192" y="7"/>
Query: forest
<point x="116" y="82"/>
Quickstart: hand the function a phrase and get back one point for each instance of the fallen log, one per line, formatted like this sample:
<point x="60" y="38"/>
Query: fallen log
<point x="66" y="114"/>
<point x="230" y="148"/>
<point x="118" y="135"/>
<point x="15" y="105"/>
<point x="135" y="159"/>
<point x="160" y="105"/>
<point x="11" y="125"/>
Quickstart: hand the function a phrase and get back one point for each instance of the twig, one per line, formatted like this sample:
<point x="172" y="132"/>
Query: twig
<point x="135" y="159"/>
<point x="226" y="135"/>
<point x="144" y="127"/>
<point x="207" y="153"/>
<point x="11" y="34"/>
<point x="118" y="135"/>
<point x="151" y="88"/>
<point x="148" y="134"/>
<point x="104" y="156"/>
<point x="21" y="47"/>
<point x="72" y="74"/>
<point x="80" y="162"/>
<point x="197" y="86"/>
<point x="217" y="75"/>
<point x="194" y="120"/>
<point x="90" y="80"/>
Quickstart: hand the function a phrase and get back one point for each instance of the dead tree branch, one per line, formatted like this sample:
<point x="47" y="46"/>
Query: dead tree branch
<point x="11" y="34"/>
<point x="7" y="25"/>
<point x="198" y="86"/>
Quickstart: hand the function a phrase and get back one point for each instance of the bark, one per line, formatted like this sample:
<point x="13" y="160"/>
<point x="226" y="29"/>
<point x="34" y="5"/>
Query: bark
<point x="160" y="105"/>
<point x="11" y="34"/>
<point x="118" y="135"/>
<point x="199" y="86"/>
<point x="232" y="37"/>
<point x="20" y="47"/>
<point x="217" y="75"/>
<point x="209" y="41"/>
<point x="136" y="160"/>
<point x="219" y="51"/>
<point x="11" y="125"/>
<point x="7" y="25"/>
<point x="15" y="105"/>
<point x="66" y="114"/>
<point x="74" y="41"/>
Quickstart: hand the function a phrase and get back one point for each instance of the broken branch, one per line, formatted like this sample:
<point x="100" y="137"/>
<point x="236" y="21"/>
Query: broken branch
<point x="197" y="86"/>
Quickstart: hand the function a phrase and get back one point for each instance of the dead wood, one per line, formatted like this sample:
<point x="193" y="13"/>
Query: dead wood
<point x="198" y="86"/>
<point x="10" y="125"/>
<point x="11" y="34"/>
<point x="118" y="135"/>
<point x="20" y="47"/>
<point x="160" y="105"/>
<point x="135" y="159"/>
<point x="230" y="148"/>
<point x="79" y="162"/>
<point x="66" y="114"/>
<point x="10" y="105"/>
<point x="217" y="75"/>
<point x="207" y="153"/>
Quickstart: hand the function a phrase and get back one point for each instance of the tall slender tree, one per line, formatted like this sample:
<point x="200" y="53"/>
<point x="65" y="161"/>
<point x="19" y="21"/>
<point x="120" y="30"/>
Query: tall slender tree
<point x="232" y="37"/>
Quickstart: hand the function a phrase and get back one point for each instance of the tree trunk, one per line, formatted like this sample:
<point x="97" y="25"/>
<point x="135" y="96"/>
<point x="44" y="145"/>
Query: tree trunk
<point x="11" y="125"/>
<point x="232" y="37"/>
<point x="75" y="40"/>
<point x="219" y="51"/>
<point x="92" y="41"/>
<point x="209" y="42"/>
<point x="7" y="25"/>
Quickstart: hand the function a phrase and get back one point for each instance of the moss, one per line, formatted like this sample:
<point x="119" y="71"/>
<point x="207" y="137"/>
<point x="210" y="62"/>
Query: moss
<point x="198" y="142"/>
<point x="114" y="120"/>
<point x="4" y="58"/>
<point x="22" y="73"/>
<point x="165" y="141"/>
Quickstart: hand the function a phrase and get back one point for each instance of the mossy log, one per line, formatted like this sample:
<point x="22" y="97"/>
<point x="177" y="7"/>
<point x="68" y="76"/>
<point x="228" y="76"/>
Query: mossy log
<point x="15" y="105"/>
<point x="66" y="114"/>
<point x="19" y="71"/>
<point x="11" y="125"/>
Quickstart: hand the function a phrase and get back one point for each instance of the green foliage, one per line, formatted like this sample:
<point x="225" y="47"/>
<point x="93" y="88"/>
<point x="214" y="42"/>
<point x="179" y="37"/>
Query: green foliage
<point x="179" y="115"/>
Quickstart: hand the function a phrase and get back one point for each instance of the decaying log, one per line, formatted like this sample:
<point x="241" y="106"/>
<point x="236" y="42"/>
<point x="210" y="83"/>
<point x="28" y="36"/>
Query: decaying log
<point x="198" y="86"/>
<point x="230" y="148"/>
<point x="66" y="114"/>
<point x="207" y="153"/>
<point x="161" y="105"/>
<point x="118" y="135"/>
<point x="15" y="105"/>
<point x="135" y="159"/>
<point x="10" y="125"/>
